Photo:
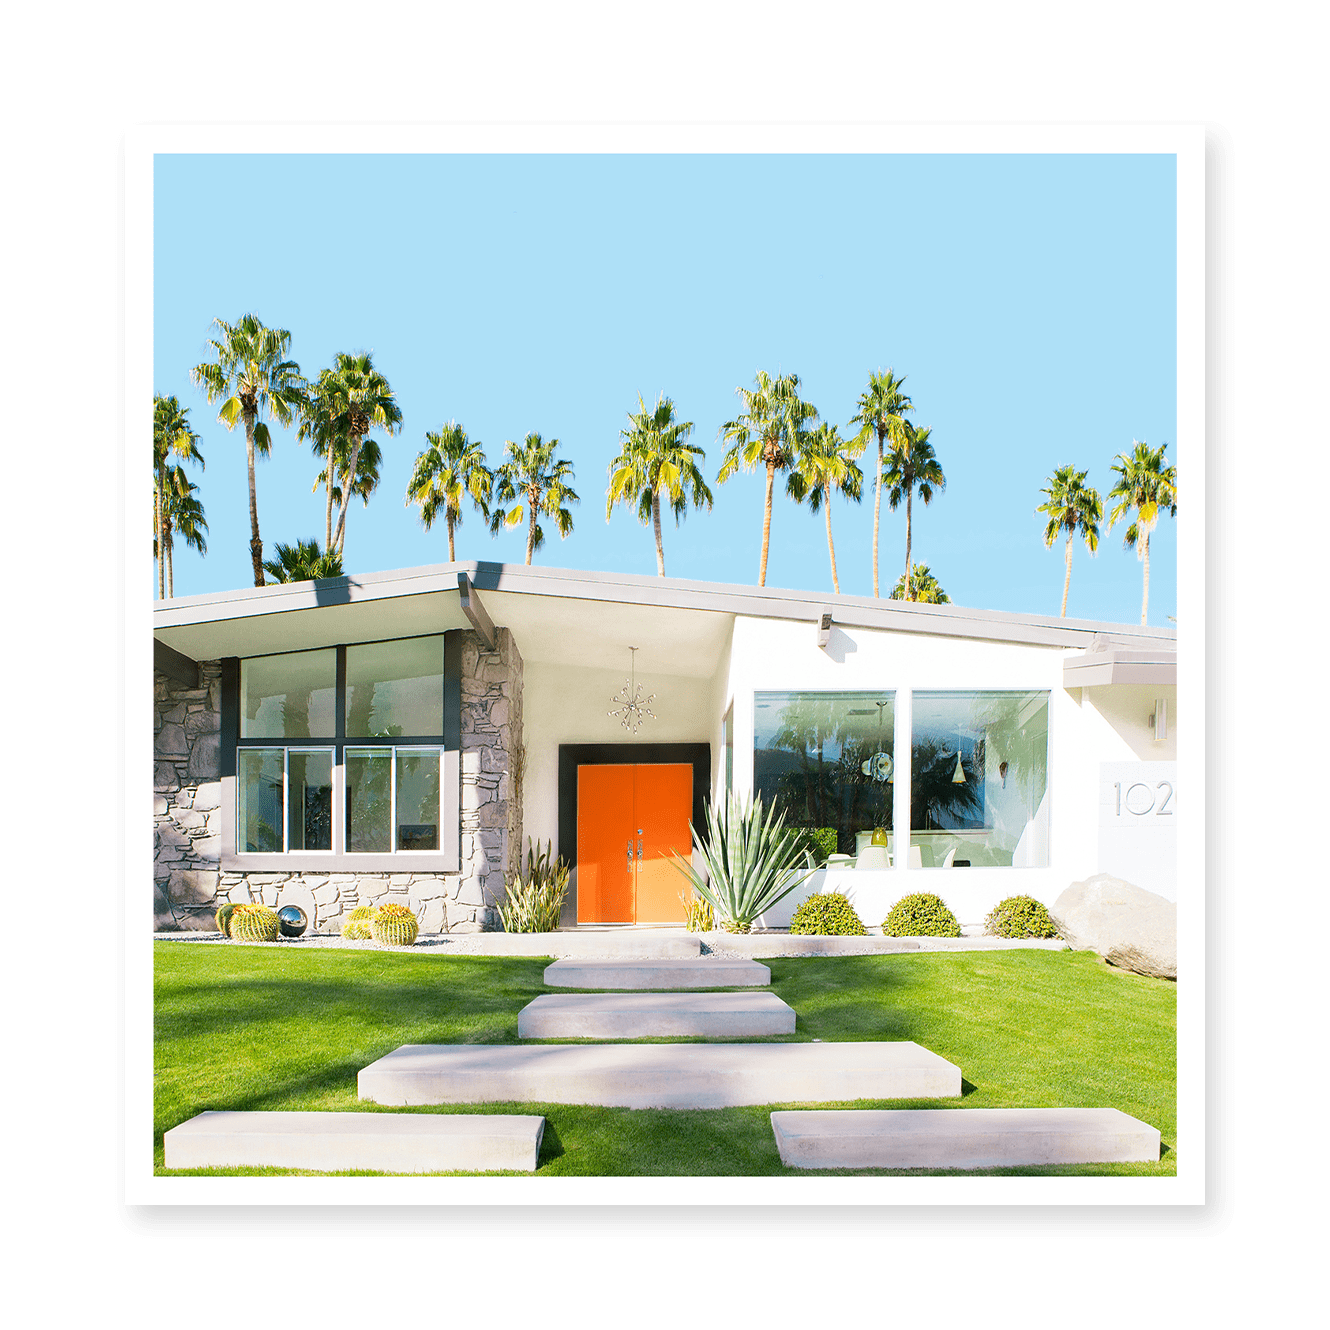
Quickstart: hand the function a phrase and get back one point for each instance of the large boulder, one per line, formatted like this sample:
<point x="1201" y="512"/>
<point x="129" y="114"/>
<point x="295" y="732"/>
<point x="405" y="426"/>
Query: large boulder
<point x="1128" y="926"/>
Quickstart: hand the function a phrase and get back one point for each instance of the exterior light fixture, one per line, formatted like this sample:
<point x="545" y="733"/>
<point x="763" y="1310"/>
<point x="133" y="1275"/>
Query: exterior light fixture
<point x="632" y="708"/>
<point x="1159" y="719"/>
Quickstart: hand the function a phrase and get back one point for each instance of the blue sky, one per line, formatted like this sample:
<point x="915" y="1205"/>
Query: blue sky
<point x="1030" y="301"/>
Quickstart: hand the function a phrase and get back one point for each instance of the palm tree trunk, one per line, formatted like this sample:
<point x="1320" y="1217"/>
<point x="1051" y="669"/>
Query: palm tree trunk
<point x="327" y="520"/>
<point x="1066" y="583"/>
<point x="452" y="549"/>
<point x="161" y="572"/>
<point x="655" y="521"/>
<point x="346" y="492"/>
<point x="170" y="566"/>
<point x="877" y="508"/>
<point x="1145" y="559"/>
<point x="766" y="524"/>
<point x="255" y="544"/>
<point x="909" y="534"/>
<point x="831" y="549"/>
<point x="530" y="529"/>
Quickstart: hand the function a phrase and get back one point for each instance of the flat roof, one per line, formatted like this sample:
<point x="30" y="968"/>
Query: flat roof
<point x="560" y="614"/>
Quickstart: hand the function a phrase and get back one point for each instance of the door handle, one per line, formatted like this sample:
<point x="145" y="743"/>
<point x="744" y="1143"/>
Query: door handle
<point x="630" y="854"/>
<point x="639" y="850"/>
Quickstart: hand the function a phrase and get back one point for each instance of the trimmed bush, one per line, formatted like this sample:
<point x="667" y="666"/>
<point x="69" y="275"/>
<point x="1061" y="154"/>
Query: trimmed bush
<point x="921" y="915"/>
<point x="224" y="919"/>
<point x="827" y="912"/>
<point x="1020" y="916"/>
<point x="254" y="923"/>
<point x="394" y="926"/>
<point x="355" y="927"/>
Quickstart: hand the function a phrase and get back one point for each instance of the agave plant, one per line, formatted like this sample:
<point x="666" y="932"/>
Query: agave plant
<point x="752" y="861"/>
<point x="534" y="900"/>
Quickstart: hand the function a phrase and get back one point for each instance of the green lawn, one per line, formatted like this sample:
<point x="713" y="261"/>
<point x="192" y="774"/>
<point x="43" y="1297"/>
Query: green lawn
<point x="260" y="1028"/>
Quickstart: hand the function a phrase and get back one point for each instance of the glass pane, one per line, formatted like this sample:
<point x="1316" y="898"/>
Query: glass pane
<point x="826" y="758"/>
<point x="979" y="779"/>
<point x="288" y="697"/>
<point x="395" y="689"/>
<point x="417" y="799"/>
<point x="259" y="782"/>
<point x="368" y="800"/>
<point x="309" y="805"/>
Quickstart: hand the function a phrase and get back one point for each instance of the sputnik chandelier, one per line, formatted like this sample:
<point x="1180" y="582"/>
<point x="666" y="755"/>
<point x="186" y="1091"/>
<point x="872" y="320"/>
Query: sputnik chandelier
<point x="631" y="707"/>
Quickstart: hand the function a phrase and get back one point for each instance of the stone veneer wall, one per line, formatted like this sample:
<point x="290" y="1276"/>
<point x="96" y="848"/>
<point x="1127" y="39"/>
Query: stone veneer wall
<point x="189" y="793"/>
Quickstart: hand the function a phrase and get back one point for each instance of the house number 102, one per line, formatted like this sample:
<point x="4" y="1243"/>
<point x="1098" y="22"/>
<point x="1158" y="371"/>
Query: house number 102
<point x="1141" y="799"/>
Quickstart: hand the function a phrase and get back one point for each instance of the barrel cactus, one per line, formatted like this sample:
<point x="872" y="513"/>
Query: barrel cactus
<point x="355" y="928"/>
<point x="224" y="919"/>
<point x="394" y="926"/>
<point x="254" y="923"/>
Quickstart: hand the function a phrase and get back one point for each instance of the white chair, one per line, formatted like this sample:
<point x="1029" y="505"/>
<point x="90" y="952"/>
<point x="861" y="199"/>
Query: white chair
<point x="950" y="859"/>
<point x="916" y="857"/>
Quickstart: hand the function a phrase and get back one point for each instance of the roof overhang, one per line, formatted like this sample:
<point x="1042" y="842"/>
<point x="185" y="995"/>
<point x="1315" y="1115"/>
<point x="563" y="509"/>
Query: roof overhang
<point x="1116" y="663"/>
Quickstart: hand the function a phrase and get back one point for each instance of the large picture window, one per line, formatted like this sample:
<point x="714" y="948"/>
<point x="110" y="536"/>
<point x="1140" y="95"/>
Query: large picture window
<point x="826" y="759"/>
<point x="979" y="779"/>
<point x="351" y="795"/>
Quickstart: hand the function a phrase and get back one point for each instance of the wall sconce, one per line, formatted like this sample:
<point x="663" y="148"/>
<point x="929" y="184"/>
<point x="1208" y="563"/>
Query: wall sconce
<point x="824" y="628"/>
<point x="1159" y="719"/>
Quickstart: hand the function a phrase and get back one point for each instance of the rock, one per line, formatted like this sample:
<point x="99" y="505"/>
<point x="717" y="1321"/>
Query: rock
<point x="205" y="757"/>
<point x="1128" y="926"/>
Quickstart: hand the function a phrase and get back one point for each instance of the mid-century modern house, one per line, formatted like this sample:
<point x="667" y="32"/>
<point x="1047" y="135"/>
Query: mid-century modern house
<point x="401" y="735"/>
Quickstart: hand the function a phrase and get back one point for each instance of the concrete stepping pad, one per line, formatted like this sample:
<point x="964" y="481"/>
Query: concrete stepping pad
<point x="704" y="972"/>
<point x="657" y="1075"/>
<point x="961" y="1138"/>
<point x="330" y="1142"/>
<point x="641" y="1015"/>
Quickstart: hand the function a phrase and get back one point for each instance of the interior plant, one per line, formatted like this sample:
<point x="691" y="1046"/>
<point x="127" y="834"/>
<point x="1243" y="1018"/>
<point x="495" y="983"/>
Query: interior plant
<point x="534" y="900"/>
<point x="825" y="913"/>
<point x="821" y="843"/>
<point x="355" y="927"/>
<point x="394" y="925"/>
<point x="254" y="923"/>
<point x="752" y="860"/>
<point x="921" y="914"/>
<point x="1020" y="916"/>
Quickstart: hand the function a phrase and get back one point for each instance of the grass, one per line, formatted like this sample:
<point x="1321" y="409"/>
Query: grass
<point x="255" y="1028"/>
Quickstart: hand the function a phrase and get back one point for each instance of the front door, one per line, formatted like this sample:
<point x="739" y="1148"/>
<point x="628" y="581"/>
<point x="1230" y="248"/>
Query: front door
<point x="630" y="822"/>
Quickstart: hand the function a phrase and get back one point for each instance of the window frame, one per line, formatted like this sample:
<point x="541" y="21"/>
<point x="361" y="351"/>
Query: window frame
<point x="446" y="859"/>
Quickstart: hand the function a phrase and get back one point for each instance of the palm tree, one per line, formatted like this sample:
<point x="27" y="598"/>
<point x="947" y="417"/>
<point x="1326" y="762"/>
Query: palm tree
<point x="539" y="480"/>
<point x="348" y="401"/>
<point x="656" y="460"/>
<point x="303" y="562"/>
<point x="1146" y="485"/>
<point x="366" y="481"/>
<point x="881" y="414"/>
<point x="252" y="377"/>
<point x="923" y="585"/>
<point x="911" y="464"/>
<point x="767" y="433"/>
<point x="452" y="466"/>
<point x="180" y="511"/>
<point x="172" y="435"/>
<point x="825" y="464"/>
<point x="1072" y="506"/>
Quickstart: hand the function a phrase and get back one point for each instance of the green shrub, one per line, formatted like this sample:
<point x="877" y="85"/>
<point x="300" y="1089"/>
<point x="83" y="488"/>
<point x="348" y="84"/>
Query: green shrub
<point x="394" y="925"/>
<point x="820" y="842"/>
<point x="254" y="923"/>
<point x="533" y="901"/>
<point x="224" y="919"/>
<point x="827" y="912"/>
<point x="701" y="917"/>
<point x="1019" y="916"/>
<point x="921" y="915"/>
<point x="355" y="927"/>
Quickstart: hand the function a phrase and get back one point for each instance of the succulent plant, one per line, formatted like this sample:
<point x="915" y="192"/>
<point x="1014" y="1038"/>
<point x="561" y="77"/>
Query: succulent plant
<point x="394" y="926"/>
<point x="224" y="919"/>
<point x="254" y="923"/>
<point x="355" y="928"/>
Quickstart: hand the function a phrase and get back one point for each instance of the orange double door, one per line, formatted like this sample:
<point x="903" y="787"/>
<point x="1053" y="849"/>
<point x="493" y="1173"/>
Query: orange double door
<point x="630" y="822"/>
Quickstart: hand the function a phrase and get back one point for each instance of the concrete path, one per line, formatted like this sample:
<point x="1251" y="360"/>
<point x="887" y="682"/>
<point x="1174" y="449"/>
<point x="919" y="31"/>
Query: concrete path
<point x="657" y="1075"/>
<point x="383" y="1142"/>
<point x="703" y="972"/>
<point x="963" y="1138"/>
<point x="647" y="1015"/>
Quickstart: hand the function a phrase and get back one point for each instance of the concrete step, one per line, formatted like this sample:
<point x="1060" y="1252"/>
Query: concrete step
<point x="704" y="972"/>
<point x="330" y="1142"/>
<point x="961" y="1138"/>
<point x="657" y="1075"/>
<point x="610" y="943"/>
<point x="642" y="1015"/>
